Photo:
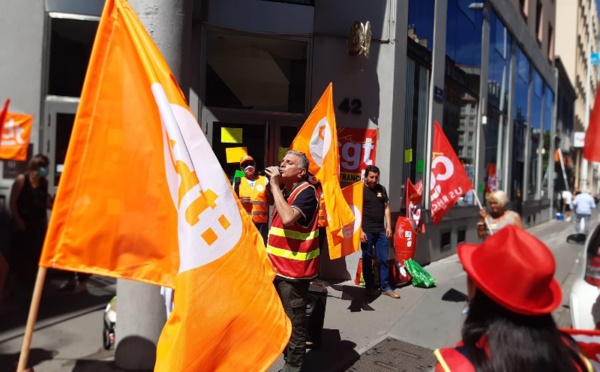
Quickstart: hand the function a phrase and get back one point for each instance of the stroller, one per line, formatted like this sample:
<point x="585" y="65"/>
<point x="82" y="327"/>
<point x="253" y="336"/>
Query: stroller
<point x="110" y="321"/>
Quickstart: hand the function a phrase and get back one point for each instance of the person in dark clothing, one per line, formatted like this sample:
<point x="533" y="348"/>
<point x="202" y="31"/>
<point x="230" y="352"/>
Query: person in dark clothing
<point x="29" y="200"/>
<point x="375" y="233"/>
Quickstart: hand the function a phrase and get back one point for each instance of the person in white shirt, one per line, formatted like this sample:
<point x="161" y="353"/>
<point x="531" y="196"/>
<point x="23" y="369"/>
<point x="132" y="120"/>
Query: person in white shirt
<point x="567" y="198"/>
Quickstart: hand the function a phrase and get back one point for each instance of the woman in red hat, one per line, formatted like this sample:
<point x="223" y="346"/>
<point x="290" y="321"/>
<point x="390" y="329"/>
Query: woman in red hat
<point x="512" y="293"/>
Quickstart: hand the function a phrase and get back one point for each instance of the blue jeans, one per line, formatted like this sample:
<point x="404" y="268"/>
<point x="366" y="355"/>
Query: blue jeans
<point x="380" y="242"/>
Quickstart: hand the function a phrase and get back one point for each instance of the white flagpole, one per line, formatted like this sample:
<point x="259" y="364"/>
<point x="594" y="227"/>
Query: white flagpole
<point x="485" y="219"/>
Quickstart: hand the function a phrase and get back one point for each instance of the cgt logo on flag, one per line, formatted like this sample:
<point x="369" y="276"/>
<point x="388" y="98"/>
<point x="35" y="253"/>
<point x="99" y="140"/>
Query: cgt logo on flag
<point x="320" y="141"/>
<point x="201" y="240"/>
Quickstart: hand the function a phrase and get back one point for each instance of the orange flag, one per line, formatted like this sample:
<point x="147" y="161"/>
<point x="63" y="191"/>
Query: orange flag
<point x="347" y="241"/>
<point x="143" y="197"/>
<point x="15" y="135"/>
<point x="318" y="140"/>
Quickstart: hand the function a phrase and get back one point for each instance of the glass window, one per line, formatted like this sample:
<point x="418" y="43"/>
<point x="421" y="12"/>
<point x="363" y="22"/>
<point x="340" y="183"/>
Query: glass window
<point x="461" y="86"/>
<point x="497" y="108"/>
<point x="547" y="130"/>
<point x="520" y="105"/>
<point x="420" y="22"/>
<point x="71" y="43"/>
<point x="252" y="73"/>
<point x="535" y="133"/>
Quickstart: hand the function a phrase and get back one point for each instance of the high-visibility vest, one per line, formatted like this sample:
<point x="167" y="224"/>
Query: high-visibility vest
<point x="259" y="210"/>
<point x="294" y="250"/>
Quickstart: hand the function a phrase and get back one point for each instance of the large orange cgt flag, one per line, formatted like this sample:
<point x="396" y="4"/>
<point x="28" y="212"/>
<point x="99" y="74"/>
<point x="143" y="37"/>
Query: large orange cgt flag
<point x="318" y="140"/>
<point x="345" y="242"/>
<point x="143" y="197"/>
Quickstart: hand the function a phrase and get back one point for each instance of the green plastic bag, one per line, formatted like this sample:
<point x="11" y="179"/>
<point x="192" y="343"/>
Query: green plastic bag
<point x="420" y="276"/>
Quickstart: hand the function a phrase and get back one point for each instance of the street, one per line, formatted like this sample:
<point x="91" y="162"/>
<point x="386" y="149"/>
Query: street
<point x="68" y="334"/>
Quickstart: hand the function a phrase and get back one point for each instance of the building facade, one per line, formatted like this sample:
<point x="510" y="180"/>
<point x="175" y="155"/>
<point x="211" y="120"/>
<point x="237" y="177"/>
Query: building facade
<point x="576" y="38"/>
<point x="483" y="70"/>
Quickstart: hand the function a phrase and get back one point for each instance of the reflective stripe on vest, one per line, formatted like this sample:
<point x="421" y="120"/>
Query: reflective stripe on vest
<point x="259" y="210"/>
<point x="294" y="250"/>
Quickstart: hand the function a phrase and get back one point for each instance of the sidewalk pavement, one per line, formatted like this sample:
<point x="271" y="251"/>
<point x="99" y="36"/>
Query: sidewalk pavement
<point x="71" y="340"/>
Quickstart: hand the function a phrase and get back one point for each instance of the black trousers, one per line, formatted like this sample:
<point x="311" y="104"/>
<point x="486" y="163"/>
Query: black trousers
<point x="294" y="296"/>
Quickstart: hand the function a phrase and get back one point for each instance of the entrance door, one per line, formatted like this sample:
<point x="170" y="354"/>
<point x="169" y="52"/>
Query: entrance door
<point x="57" y="128"/>
<point x="265" y="137"/>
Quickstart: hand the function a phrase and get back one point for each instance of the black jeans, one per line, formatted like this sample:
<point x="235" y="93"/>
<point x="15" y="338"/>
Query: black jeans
<point x="294" y="296"/>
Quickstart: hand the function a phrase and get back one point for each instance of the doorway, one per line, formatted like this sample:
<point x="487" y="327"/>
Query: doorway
<point x="57" y="128"/>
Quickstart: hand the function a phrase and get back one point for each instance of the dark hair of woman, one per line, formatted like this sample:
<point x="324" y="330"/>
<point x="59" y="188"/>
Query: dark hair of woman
<point x="38" y="161"/>
<point x="517" y="342"/>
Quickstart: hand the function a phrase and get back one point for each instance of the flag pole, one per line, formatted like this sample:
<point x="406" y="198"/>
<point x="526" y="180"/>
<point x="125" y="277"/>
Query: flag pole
<point x="33" y="312"/>
<point x="485" y="219"/>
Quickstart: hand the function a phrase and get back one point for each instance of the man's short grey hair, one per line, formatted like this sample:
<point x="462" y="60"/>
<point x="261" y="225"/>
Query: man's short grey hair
<point x="303" y="164"/>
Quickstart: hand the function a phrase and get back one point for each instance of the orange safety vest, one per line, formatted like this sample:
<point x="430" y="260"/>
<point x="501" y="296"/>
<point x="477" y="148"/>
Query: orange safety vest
<point x="259" y="210"/>
<point x="294" y="250"/>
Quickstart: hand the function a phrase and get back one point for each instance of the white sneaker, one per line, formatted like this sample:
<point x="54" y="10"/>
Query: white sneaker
<point x="568" y="219"/>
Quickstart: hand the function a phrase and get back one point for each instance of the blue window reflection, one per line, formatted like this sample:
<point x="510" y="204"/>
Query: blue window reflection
<point x="498" y="93"/>
<point x="420" y="22"/>
<point x="463" y="32"/>
<point x="535" y="135"/>
<point x="521" y="93"/>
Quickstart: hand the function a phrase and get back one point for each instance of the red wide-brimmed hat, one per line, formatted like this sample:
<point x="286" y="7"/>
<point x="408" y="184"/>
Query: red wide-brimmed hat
<point x="515" y="269"/>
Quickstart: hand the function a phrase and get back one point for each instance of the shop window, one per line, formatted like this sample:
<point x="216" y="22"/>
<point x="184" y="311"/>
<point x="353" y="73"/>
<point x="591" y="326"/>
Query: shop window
<point x="535" y="135"/>
<point x="520" y="124"/>
<point x="253" y="73"/>
<point x="547" y="135"/>
<point x="71" y="43"/>
<point x="461" y="86"/>
<point x="461" y="235"/>
<point x="445" y="240"/>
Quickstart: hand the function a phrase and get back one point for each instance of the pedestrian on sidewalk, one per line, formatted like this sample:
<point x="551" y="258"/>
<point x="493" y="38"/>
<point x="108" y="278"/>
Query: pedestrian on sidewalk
<point x="376" y="230"/>
<point x="509" y="326"/>
<point x="583" y="203"/>
<point x="567" y="199"/>
<point x="498" y="217"/>
<point x="293" y="246"/>
<point x="29" y="202"/>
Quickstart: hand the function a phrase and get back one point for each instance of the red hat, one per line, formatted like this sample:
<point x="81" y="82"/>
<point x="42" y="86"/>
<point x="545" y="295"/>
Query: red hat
<point x="246" y="158"/>
<point x="515" y="269"/>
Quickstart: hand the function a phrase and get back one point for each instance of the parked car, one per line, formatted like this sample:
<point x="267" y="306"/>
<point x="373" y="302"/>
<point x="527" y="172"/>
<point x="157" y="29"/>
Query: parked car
<point x="585" y="293"/>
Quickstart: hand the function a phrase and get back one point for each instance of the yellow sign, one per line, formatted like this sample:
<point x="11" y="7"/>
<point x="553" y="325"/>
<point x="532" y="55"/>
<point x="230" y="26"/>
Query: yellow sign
<point x="282" y="152"/>
<point x="231" y="135"/>
<point x="234" y="154"/>
<point x="408" y="156"/>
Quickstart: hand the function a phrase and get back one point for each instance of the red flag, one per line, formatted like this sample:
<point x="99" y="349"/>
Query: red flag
<point x="591" y="146"/>
<point x="3" y="117"/>
<point x="413" y="204"/>
<point x="449" y="180"/>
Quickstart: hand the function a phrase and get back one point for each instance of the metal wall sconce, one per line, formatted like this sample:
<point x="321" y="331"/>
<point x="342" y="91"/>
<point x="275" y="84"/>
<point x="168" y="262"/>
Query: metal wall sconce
<point x="359" y="39"/>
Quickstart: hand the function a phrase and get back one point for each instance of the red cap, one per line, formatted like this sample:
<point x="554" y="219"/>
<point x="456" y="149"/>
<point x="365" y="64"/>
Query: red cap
<point x="515" y="269"/>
